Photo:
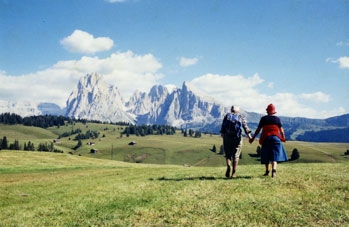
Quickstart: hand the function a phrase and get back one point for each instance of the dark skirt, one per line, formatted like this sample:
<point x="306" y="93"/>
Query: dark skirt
<point x="273" y="150"/>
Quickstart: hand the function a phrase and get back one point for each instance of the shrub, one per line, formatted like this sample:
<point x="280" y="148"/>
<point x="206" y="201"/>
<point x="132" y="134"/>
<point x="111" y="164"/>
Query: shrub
<point x="214" y="149"/>
<point x="295" y="154"/>
<point x="346" y="153"/>
<point x="258" y="151"/>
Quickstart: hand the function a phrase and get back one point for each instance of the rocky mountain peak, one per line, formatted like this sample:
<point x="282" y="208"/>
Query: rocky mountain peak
<point x="93" y="99"/>
<point x="89" y="81"/>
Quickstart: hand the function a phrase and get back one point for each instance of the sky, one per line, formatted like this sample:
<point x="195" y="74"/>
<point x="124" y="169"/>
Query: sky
<point x="292" y="53"/>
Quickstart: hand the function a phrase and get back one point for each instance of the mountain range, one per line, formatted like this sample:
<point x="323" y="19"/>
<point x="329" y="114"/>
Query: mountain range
<point x="185" y="107"/>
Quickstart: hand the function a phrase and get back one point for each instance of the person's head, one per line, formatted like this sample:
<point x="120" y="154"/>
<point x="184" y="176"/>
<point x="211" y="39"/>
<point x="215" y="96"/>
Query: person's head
<point x="235" y="109"/>
<point x="271" y="109"/>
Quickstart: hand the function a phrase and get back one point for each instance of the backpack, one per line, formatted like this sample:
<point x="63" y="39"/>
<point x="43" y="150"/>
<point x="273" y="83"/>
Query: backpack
<point x="233" y="125"/>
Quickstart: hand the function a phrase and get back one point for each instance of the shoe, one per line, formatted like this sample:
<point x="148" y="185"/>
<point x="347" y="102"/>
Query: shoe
<point x="266" y="173"/>
<point x="233" y="175"/>
<point x="273" y="173"/>
<point x="227" y="173"/>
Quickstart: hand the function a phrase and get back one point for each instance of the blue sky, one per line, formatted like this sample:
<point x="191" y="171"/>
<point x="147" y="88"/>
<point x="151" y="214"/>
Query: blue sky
<point x="292" y="53"/>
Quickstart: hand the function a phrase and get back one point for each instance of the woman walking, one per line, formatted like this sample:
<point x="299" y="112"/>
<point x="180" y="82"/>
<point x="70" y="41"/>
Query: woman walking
<point x="272" y="150"/>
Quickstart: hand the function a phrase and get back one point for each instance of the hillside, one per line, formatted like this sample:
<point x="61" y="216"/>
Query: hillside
<point x="47" y="189"/>
<point x="161" y="149"/>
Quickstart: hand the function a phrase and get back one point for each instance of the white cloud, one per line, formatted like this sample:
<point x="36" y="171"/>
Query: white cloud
<point x="245" y="92"/>
<point x="270" y="85"/>
<point x="83" y="42"/>
<point x="185" y="62"/>
<point x="230" y="89"/>
<point x="342" y="61"/>
<point x="343" y="43"/>
<point x="316" y="97"/>
<point x="55" y="83"/>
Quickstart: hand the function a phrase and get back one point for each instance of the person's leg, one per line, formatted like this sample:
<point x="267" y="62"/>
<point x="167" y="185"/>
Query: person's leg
<point x="235" y="165"/>
<point x="227" y="151"/>
<point x="266" y="170"/>
<point x="236" y="156"/>
<point x="228" y="160"/>
<point x="274" y="165"/>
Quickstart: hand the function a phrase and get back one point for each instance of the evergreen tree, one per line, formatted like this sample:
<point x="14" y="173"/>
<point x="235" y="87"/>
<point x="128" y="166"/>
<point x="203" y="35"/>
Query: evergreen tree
<point x="30" y="146"/>
<point x="79" y="144"/>
<point x="295" y="154"/>
<point x="4" y="143"/>
<point x="197" y="134"/>
<point x="15" y="146"/>
<point x="185" y="133"/>
<point x="214" y="149"/>
<point x="190" y="132"/>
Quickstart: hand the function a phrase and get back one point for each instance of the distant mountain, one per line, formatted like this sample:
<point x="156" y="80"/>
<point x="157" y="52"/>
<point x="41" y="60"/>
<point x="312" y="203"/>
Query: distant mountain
<point x="185" y="107"/>
<point x="180" y="107"/>
<point x="329" y="130"/>
<point x="329" y="135"/>
<point x="51" y="109"/>
<point x="26" y="108"/>
<point x="93" y="99"/>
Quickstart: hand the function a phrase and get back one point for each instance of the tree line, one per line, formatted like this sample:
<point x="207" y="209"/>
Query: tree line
<point x="45" y="121"/>
<point x="143" y="130"/>
<point x="28" y="146"/>
<point x="191" y="133"/>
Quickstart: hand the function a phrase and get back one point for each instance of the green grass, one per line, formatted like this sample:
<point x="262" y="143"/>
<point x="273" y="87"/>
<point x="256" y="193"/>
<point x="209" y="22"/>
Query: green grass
<point x="48" y="189"/>
<point x="175" y="149"/>
<point x="26" y="133"/>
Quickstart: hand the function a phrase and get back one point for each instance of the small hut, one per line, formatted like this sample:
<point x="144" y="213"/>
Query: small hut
<point x="94" y="151"/>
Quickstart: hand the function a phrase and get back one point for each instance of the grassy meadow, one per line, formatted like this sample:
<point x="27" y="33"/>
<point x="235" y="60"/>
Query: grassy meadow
<point x="162" y="149"/>
<point x="166" y="181"/>
<point x="47" y="189"/>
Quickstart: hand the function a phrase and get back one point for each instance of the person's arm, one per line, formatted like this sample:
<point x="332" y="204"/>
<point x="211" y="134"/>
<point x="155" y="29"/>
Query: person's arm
<point x="246" y="128"/>
<point x="282" y="134"/>
<point x="222" y="131"/>
<point x="255" y="134"/>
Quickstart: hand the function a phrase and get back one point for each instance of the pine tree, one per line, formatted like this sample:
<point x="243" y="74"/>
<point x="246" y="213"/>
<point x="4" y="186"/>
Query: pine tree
<point x="295" y="154"/>
<point x="4" y="143"/>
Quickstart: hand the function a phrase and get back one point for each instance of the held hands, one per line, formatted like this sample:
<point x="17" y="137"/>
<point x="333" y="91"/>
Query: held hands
<point x="251" y="140"/>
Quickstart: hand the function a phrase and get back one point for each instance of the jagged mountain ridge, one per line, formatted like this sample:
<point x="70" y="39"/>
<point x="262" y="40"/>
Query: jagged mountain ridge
<point x="93" y="99"/>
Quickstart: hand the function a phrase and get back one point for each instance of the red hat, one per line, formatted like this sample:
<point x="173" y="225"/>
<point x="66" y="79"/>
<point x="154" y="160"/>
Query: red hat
<point x="271" y="109"/>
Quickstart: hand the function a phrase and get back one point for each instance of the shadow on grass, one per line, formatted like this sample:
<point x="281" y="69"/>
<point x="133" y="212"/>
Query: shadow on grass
<point x="199" y="178"/>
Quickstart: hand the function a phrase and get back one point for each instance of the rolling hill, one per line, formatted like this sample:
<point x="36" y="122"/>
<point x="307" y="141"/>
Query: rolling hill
<point x="174" y="149"/>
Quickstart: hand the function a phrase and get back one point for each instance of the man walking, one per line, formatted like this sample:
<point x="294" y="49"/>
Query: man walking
<point x="231" y="132"/>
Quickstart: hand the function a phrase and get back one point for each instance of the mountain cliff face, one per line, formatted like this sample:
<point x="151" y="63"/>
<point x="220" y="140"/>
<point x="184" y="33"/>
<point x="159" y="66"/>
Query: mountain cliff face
<point x="180" y="107"/>
<point x="93" y="99"/>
